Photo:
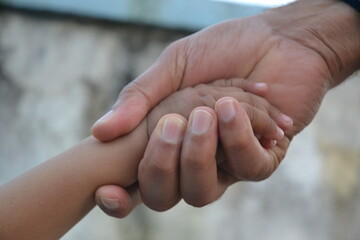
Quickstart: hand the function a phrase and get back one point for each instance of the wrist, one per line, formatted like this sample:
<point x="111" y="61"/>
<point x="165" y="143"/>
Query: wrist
<point x="115" y="162"/>
<point x="329" y="27"/>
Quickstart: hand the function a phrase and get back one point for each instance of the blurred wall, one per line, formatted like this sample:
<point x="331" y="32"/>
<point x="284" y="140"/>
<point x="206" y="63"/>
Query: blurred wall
<point x="58" y="75"/>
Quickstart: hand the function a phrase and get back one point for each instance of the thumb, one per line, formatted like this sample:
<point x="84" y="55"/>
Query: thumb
<point x="140" y="96"/>
<point x="116" y="201"/>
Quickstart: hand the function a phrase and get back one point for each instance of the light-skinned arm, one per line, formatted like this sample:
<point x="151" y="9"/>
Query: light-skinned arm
<point x="48" y="200"/>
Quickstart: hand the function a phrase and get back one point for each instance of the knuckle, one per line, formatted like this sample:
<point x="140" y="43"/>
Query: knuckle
<point x="222" y="83"/>
<point x="159" y="205"/>
<point x="237" y="82"/>
<point x="135" y="90"/>
<point x="266" y="107"/>
<point x="173" y="48"/>
<point x="161" y="167"/>
<point x="248" y="174"/>
<point x="251" y="99"/>
<point x="158" y="198"/>
<point x="252" y="173"/>
<point x="208" y="96"/>
<point x="197" y="165"/>
<point x="226" y="82"/>
<point x="236" y="144"/>
<point x="252" y="114"/>
<point x="272" y="111"/>
<point x="268" y="127"/>
<point x="246" y="107"/>
<point x="200" y="87"/>
<point x="158" y="166"/>
<point x="198" y="200"/>
<point x="272" y="126"/>
<point x="249" y="111"/>
<point x="265" y="104"/>
<point x="174" y="56"/>
<point x="128" y="89"/>
<point x="208" y="101"/>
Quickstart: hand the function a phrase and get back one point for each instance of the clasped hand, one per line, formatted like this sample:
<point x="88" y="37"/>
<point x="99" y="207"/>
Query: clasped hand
<point x="253" y="49"/>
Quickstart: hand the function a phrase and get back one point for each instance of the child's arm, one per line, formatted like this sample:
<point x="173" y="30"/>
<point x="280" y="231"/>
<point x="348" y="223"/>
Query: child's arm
<point x="48" y="200"/>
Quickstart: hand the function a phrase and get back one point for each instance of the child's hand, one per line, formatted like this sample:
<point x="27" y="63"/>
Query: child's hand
<point x="199" y="170"/>
<point x="266" y="120"/>
<point x="179" y="163"/>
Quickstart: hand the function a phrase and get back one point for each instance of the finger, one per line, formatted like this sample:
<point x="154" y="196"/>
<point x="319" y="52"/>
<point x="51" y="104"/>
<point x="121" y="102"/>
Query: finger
<point x="267" y="143"/>
<point x="262" y="124"/>
<point x="246" y="158"/>
<point x="261" y="89"/>
<point x="141" y="95"/>
<point x="198" y="171"/>
<point x="159" y="169"/>
<point x="282" y="120"/>
<point x="116" y="201"/>
<point x="243" y="84"/>
<point x="266" y="119"/>
<point x="235" y="88"/>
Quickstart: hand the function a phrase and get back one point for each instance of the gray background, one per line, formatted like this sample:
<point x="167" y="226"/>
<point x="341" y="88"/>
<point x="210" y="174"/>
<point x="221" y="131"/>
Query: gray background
<point x="59" y="73"/>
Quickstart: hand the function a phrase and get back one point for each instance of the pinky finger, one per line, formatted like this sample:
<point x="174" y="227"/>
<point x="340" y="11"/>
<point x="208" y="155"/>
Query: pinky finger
<point x="244" y="85"/>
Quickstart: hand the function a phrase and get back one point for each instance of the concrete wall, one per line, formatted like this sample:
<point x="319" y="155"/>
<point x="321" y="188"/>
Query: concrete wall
<point x="179" y="14"/>
<point x="58" y="75"/>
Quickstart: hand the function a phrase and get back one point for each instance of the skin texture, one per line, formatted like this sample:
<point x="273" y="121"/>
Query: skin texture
<point x="45" y="202"/>
<point x="301" y="50"/>
<point x="169" y="177"/>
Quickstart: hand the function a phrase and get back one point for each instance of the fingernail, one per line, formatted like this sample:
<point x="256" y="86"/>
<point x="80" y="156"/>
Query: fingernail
<point x="201" y="122"/>
<point x="105" y="117"/>
<point x="261" y="86"/>
<point x="111" y="204"/>
<point x="288" y="120"/>
<point x="173" y="129"/>
<point x="273" y="143"/>
<point x="226" y="110"/>
<point x="280" y="133"/>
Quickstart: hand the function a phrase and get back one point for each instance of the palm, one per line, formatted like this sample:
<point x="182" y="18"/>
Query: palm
<point x="247" y="48"/>
<point x="294" y="72"/>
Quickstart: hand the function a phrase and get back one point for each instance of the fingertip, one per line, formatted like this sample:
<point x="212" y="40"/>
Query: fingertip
<point x="284" y="122"/>
<point x="110" y="204"/>
<point x="116" y="123"/>
<point x="202" y="119"/>
<point x="287" y="121"/>
<point x="267" y="143"/>
<point x="114" y="201"/>
<point x="279" y="133"/>
<point x="260" y="89"/>
<point x="226" y="109"/>
<point x="107" y="127"/>
<point x="102" y="132"/>
<point x="100" y="128"/>
<point x="171" y="128"/>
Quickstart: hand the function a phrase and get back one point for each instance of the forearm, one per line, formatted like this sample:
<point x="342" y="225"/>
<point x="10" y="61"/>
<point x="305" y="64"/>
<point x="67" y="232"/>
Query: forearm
<point x="48" y="200"/>
<point x="329" y="27"/>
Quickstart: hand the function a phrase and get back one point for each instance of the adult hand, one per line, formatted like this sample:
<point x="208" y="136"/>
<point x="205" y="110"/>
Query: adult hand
<point x="294" y="49"/>
<point x="206" y="169"/>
